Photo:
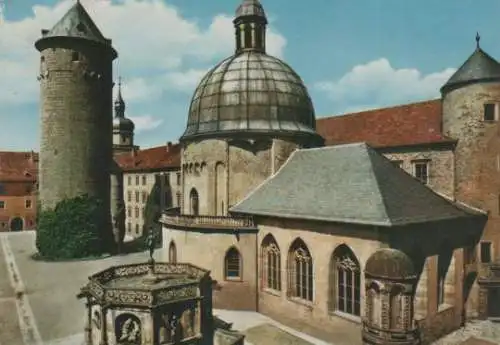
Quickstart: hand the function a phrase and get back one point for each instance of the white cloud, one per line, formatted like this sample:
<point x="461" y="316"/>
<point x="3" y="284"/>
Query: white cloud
<point x="145" y="122"/>
<point x="185" y="80"/>
<point x="152" y="39"/>
<point x="377" y="83"/>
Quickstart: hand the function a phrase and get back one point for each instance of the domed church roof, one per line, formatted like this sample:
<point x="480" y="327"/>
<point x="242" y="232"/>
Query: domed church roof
<point x="390" y="263"/>
<point x="251" y="93"/>
<point x="479" y="67"/>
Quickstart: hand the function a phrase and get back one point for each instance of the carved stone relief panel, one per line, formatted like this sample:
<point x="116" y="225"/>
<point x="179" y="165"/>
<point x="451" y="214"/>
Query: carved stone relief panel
<point x="128" y="329"/>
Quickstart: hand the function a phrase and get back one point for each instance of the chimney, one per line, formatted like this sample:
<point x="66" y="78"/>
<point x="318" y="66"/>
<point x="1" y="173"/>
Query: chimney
<point x="169" y="145"/>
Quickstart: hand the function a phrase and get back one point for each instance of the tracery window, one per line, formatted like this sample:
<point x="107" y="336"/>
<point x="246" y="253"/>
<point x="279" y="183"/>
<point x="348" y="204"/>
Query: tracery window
<point x="347" y="273"/>
<point x="271" y="265"/>
<point x="300" y="271"/>
<point x="232" y="264"/>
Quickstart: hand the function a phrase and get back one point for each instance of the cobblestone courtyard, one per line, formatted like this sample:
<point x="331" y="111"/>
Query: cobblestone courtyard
<point x="38" y="304"/>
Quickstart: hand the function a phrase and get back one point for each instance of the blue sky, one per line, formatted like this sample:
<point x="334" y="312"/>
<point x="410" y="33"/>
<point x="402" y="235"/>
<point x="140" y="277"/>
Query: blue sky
<point x="352" y="55"/>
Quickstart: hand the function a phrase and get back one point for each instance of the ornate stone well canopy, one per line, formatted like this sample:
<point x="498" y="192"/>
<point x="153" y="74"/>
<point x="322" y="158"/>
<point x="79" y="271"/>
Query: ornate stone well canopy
<point x="131" y="286"/>
<point x="149" y="303"/>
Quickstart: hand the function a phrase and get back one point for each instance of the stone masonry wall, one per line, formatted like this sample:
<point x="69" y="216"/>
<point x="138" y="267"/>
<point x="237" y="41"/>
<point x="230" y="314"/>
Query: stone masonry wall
<point x="208" y="250"/>
<point x="247" y="165"/>
<point x="321" y="239"/>
<point x="76" y="123"/>
<point x="440" y="165"/>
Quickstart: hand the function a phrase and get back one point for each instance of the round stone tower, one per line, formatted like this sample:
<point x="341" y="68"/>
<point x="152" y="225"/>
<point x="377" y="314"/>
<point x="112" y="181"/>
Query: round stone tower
<point x="76" y="111"/>
<point x="471" y="114"/>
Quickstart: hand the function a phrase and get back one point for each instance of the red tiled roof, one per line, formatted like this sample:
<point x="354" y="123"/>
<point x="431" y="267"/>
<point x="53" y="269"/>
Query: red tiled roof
<point x="18" y="166"/>
<point x="161" y="157"/>
<point x="409" y="124"/>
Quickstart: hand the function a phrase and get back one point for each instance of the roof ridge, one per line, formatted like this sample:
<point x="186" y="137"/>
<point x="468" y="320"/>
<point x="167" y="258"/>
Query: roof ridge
<point x="380" y="109"/>
<point x="371" y="154"/>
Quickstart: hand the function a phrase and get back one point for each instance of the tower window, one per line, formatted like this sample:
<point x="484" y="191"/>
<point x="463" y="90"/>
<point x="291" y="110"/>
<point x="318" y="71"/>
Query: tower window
<point x="490" y="112"/>
<point x="75" y="56"/>
<point x="485" y="252"/>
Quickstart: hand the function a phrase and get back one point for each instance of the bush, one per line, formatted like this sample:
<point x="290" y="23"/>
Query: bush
<point x="73" y="229"/>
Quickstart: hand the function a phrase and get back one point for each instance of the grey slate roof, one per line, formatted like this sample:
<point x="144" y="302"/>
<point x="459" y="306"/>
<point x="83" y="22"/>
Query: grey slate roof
<point x="78" y="24"/>
<point x="480" y="66"/>
<point x="349" y="184"/>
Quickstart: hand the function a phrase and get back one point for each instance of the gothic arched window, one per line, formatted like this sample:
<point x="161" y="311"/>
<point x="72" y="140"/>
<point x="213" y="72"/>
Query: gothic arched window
<point x="194" y="202"/>
<point x="271" y="263"/>
<point x="300" y="271"/>
<point x="346" y="272"/>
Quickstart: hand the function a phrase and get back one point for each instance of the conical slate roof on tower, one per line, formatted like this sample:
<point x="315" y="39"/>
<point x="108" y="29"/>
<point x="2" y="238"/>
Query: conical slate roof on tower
<point x="77" y="23"/>
<point x="480" y="66"/>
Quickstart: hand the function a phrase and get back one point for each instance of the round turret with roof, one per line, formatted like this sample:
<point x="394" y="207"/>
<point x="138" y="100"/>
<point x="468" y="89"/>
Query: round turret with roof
<point x="470" y="114"/>
<point x="76" y="111"/>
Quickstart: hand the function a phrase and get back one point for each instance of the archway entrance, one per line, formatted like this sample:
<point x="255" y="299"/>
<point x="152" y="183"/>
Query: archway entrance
<point x="16" y="224"/>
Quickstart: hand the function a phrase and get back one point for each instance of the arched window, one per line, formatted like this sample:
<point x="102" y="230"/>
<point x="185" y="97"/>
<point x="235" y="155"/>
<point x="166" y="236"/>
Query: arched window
<point x="172" y="253"/>
<point x="396" y="314"/>
<point x="373" y="305"/>
<point x="300" y="271"/>
<point x="347" y="281"/>
<point x="194" y="202"/>
<point x="271" y="263"/>
<point x="232" y="264"/>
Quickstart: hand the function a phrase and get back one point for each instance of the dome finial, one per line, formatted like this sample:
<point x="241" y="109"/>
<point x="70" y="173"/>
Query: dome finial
<point x="478" y="38"/>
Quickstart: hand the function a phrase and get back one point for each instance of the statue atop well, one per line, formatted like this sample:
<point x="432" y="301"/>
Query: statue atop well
<point x="152" y="303"/>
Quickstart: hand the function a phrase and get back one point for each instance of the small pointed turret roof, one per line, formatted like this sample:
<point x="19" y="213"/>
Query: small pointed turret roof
<point x="77" y="23"/>
<point x="480" y="66"/>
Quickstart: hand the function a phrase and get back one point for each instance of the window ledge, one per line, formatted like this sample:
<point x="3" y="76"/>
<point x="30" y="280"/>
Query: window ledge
<point x="346" y="316"/>
<point x="308" y="304"/>
<point x="272" y="292"/>
<point x="234" y="279"/>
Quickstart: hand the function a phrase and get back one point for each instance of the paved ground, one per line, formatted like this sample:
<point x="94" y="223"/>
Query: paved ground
<point x="38" y="304"/>
<point x="474" y="333"/>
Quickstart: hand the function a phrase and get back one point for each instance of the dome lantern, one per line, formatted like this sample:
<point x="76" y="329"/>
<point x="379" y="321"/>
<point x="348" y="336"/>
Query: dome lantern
<point x="250" y="25"/>
<point x="252" y="93"/>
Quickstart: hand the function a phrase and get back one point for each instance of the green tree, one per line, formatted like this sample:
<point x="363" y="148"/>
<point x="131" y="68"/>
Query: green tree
<point x="73" y="229"/>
